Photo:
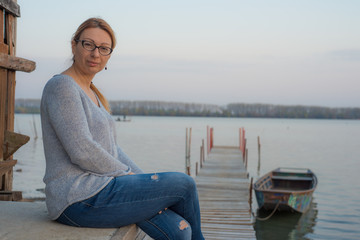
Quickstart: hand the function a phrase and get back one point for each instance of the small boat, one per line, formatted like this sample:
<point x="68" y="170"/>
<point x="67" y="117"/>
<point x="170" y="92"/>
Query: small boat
<point x="288" y="189"/>
<point x="124" y="119"/>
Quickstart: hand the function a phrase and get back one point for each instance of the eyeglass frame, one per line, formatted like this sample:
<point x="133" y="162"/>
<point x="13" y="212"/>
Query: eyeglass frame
<point x="95" y="46"/>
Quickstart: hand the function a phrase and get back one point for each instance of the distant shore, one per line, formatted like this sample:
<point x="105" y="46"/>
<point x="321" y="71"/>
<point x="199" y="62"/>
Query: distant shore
<point x="257" y="110"/>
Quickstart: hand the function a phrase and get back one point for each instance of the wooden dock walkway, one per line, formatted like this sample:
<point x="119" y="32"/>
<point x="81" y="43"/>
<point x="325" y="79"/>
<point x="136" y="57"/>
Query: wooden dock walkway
<point x="223" y="187"/>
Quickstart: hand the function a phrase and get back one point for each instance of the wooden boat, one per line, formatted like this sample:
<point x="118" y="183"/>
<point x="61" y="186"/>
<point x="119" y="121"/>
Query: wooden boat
<point x="288" y="189"/>
<point x="124" y="119"/>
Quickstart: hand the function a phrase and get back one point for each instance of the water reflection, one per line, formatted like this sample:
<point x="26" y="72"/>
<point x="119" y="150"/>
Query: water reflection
<point x="286" y="225"/>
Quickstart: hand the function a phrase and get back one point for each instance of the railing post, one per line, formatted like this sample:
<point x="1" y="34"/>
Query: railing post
<point x="187" y="151"/>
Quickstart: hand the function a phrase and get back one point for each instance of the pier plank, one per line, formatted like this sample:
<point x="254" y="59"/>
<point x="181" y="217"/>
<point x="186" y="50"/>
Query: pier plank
<point x="223" y="188"/>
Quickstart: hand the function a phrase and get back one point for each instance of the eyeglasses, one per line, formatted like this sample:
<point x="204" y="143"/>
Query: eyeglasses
<point x="90" y="46"/>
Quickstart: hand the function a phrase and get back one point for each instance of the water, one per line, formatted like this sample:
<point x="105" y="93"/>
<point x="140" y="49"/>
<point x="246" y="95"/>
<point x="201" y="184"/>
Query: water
<point x="331" y="148"/>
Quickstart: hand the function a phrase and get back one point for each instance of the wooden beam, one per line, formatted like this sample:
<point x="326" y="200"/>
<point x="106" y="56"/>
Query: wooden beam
<point x="3" y="94"/>
<point x="16" y="63"/>
<point x="11" y="7"/>
<point x="4" y="48"/>
<point x="10" y="195"/>
<point x="6" y="166"/>
<point x="12" y="142"/>
<point x="10" y="101"/>
<point x="1" y="27"/>
<point x="10" y="33"/>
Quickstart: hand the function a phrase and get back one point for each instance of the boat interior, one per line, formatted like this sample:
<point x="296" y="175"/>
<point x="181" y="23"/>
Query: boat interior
<point x="280" y="179"/>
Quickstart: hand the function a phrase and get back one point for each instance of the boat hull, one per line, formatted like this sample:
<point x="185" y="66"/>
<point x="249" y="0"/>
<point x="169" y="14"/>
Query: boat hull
<point x="286" y="190"/>
<point x="299" y="202"/>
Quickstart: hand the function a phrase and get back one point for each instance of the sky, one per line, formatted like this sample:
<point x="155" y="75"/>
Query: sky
<point x="204" y="51"/>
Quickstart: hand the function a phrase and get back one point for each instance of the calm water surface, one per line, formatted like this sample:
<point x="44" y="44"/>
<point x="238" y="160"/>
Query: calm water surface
<point x="331" y="148"/>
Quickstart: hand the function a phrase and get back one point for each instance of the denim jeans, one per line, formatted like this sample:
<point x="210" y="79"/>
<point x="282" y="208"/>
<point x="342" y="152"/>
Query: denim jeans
<point x="142" y="199"/>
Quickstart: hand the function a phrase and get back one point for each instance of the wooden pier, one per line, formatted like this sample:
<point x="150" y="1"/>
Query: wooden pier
<point x="223" y="187"/>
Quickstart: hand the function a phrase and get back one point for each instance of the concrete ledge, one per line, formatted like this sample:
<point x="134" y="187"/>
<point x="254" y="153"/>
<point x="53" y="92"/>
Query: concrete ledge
<point x="29" y="220"/>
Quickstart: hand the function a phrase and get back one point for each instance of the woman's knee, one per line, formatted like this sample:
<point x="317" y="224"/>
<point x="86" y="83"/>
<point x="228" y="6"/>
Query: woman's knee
<point x="185" y="180"/>
<point x="184" y="231"/>
<point x="167" y="225"/>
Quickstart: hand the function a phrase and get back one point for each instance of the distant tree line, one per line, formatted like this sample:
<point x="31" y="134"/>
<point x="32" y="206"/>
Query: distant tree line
<point x="281" y="111"/>
<point x="161" y="108"/>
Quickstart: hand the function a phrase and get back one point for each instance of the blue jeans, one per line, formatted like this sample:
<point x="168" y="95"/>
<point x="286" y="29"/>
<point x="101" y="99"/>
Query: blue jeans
<point x="142" y="199"/>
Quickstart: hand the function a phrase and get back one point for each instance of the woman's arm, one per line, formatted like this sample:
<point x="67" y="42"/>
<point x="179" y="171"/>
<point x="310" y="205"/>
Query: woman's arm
<point x="123" y="157"/>
<point x="64" y="109"/>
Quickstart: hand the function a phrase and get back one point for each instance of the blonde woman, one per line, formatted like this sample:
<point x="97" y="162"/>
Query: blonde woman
<point x="90" y="181"/>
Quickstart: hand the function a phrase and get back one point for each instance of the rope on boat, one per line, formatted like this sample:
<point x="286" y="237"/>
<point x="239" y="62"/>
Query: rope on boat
<point x="271" y="214"/>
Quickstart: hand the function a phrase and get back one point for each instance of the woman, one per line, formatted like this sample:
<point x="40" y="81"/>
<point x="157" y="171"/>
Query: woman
<point x="90" y="181"/>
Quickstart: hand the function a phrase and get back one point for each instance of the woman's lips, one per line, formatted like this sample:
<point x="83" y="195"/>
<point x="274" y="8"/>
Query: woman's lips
<point x="92" y="64"/>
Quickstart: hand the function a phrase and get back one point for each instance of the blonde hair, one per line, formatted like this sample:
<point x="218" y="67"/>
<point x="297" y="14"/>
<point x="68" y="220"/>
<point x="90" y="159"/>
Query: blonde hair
<point x="102" y="24"/>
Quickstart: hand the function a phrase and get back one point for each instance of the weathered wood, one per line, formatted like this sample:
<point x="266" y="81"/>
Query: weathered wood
<point x="3" y="89"/>
<point x="10" y="195"/>
<point x="4" y="48"/>
<point x="8" y="163"/>
<point x="10" y="33"/>
<point x="6" y="166"/>
<point x="130" y="232"/>
<point x="223" y="188"/>
<point x="1" y="27"/>
<point x="6" y="174"/>
<point x="11" y="7"/>
<point x="12" y="142"/>
<point x="16" y="63"/>
<point x="9" y="63"/>
<point x="10" y="101"/>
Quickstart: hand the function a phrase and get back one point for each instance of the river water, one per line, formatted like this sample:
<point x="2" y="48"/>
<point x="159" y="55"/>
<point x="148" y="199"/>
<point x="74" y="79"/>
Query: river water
<point x="330" y="148"/>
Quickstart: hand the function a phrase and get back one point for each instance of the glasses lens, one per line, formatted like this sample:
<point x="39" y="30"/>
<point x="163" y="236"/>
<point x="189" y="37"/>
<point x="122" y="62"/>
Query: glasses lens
<point x="88" y="45"/>
<point x="105" y="50"/>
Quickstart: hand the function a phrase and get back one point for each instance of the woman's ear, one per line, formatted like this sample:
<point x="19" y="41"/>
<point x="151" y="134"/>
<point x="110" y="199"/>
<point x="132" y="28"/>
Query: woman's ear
<point x="73" y="46"/>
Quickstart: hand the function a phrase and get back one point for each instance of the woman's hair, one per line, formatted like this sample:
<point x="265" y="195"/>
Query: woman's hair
<point x="102" y="24"/>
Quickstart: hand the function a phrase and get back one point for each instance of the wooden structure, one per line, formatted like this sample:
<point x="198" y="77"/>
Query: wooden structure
<point x="9" y="64"/>
<point x="286" y="189"/>
<point x="224" y="194"/>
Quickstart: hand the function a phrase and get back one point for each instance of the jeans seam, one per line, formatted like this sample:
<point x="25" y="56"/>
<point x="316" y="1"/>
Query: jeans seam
<point x="158" y="229"/>
<point x="74" y="223"/>
<point x="89" y="205"/>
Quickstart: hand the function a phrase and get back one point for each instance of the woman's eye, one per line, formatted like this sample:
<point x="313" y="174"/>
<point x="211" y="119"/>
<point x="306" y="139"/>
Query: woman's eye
<point x="88" y="44"/>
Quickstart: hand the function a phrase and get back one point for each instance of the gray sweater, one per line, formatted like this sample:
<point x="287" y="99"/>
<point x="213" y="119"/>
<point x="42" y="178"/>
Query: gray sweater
<point x="81" y="152"/>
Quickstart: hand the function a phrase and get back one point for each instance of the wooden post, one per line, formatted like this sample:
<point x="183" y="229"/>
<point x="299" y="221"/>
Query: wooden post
<point x="34" y="126"/>
<point x="187" y="151"/>
<point x="250" y="194"/>
<point x="207" y="140"/>
<point x="203" y="151"/>
<point x="201" y="156"/>
<point x="259" y="151"/>
<point x="246" y="158"/>
<point x="244" y="149"/>
<point x="211" y="138"/>
<point x="9" y="63"/>
<point x="239" y="139"/>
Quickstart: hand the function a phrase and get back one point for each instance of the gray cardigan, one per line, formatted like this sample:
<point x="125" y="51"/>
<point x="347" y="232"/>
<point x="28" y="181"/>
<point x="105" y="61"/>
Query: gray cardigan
<point x="81" y="152"/>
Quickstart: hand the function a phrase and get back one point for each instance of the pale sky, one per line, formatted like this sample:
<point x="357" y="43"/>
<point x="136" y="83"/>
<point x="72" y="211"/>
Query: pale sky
<point x="205" y="51"/>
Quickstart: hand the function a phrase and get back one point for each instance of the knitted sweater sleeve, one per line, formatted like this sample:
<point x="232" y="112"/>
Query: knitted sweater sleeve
<point x="125" y="159"/>
<point x="64" y="109"/>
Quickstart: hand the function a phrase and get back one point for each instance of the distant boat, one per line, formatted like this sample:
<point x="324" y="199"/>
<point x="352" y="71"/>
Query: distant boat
<point x="288" y="189"/>
<point x="124" y="119"/>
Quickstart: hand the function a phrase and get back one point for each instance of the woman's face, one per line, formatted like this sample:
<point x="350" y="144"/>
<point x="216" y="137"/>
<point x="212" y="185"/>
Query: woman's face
<point x="91" y="62"/>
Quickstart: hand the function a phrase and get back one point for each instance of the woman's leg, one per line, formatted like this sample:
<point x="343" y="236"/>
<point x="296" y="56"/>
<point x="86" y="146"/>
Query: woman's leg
<point x="136" y="198"/>
<point x="167" y="225"/>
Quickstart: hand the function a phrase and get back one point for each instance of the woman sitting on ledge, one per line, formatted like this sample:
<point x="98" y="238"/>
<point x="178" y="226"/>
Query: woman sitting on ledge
<point x="90" y="181"/>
